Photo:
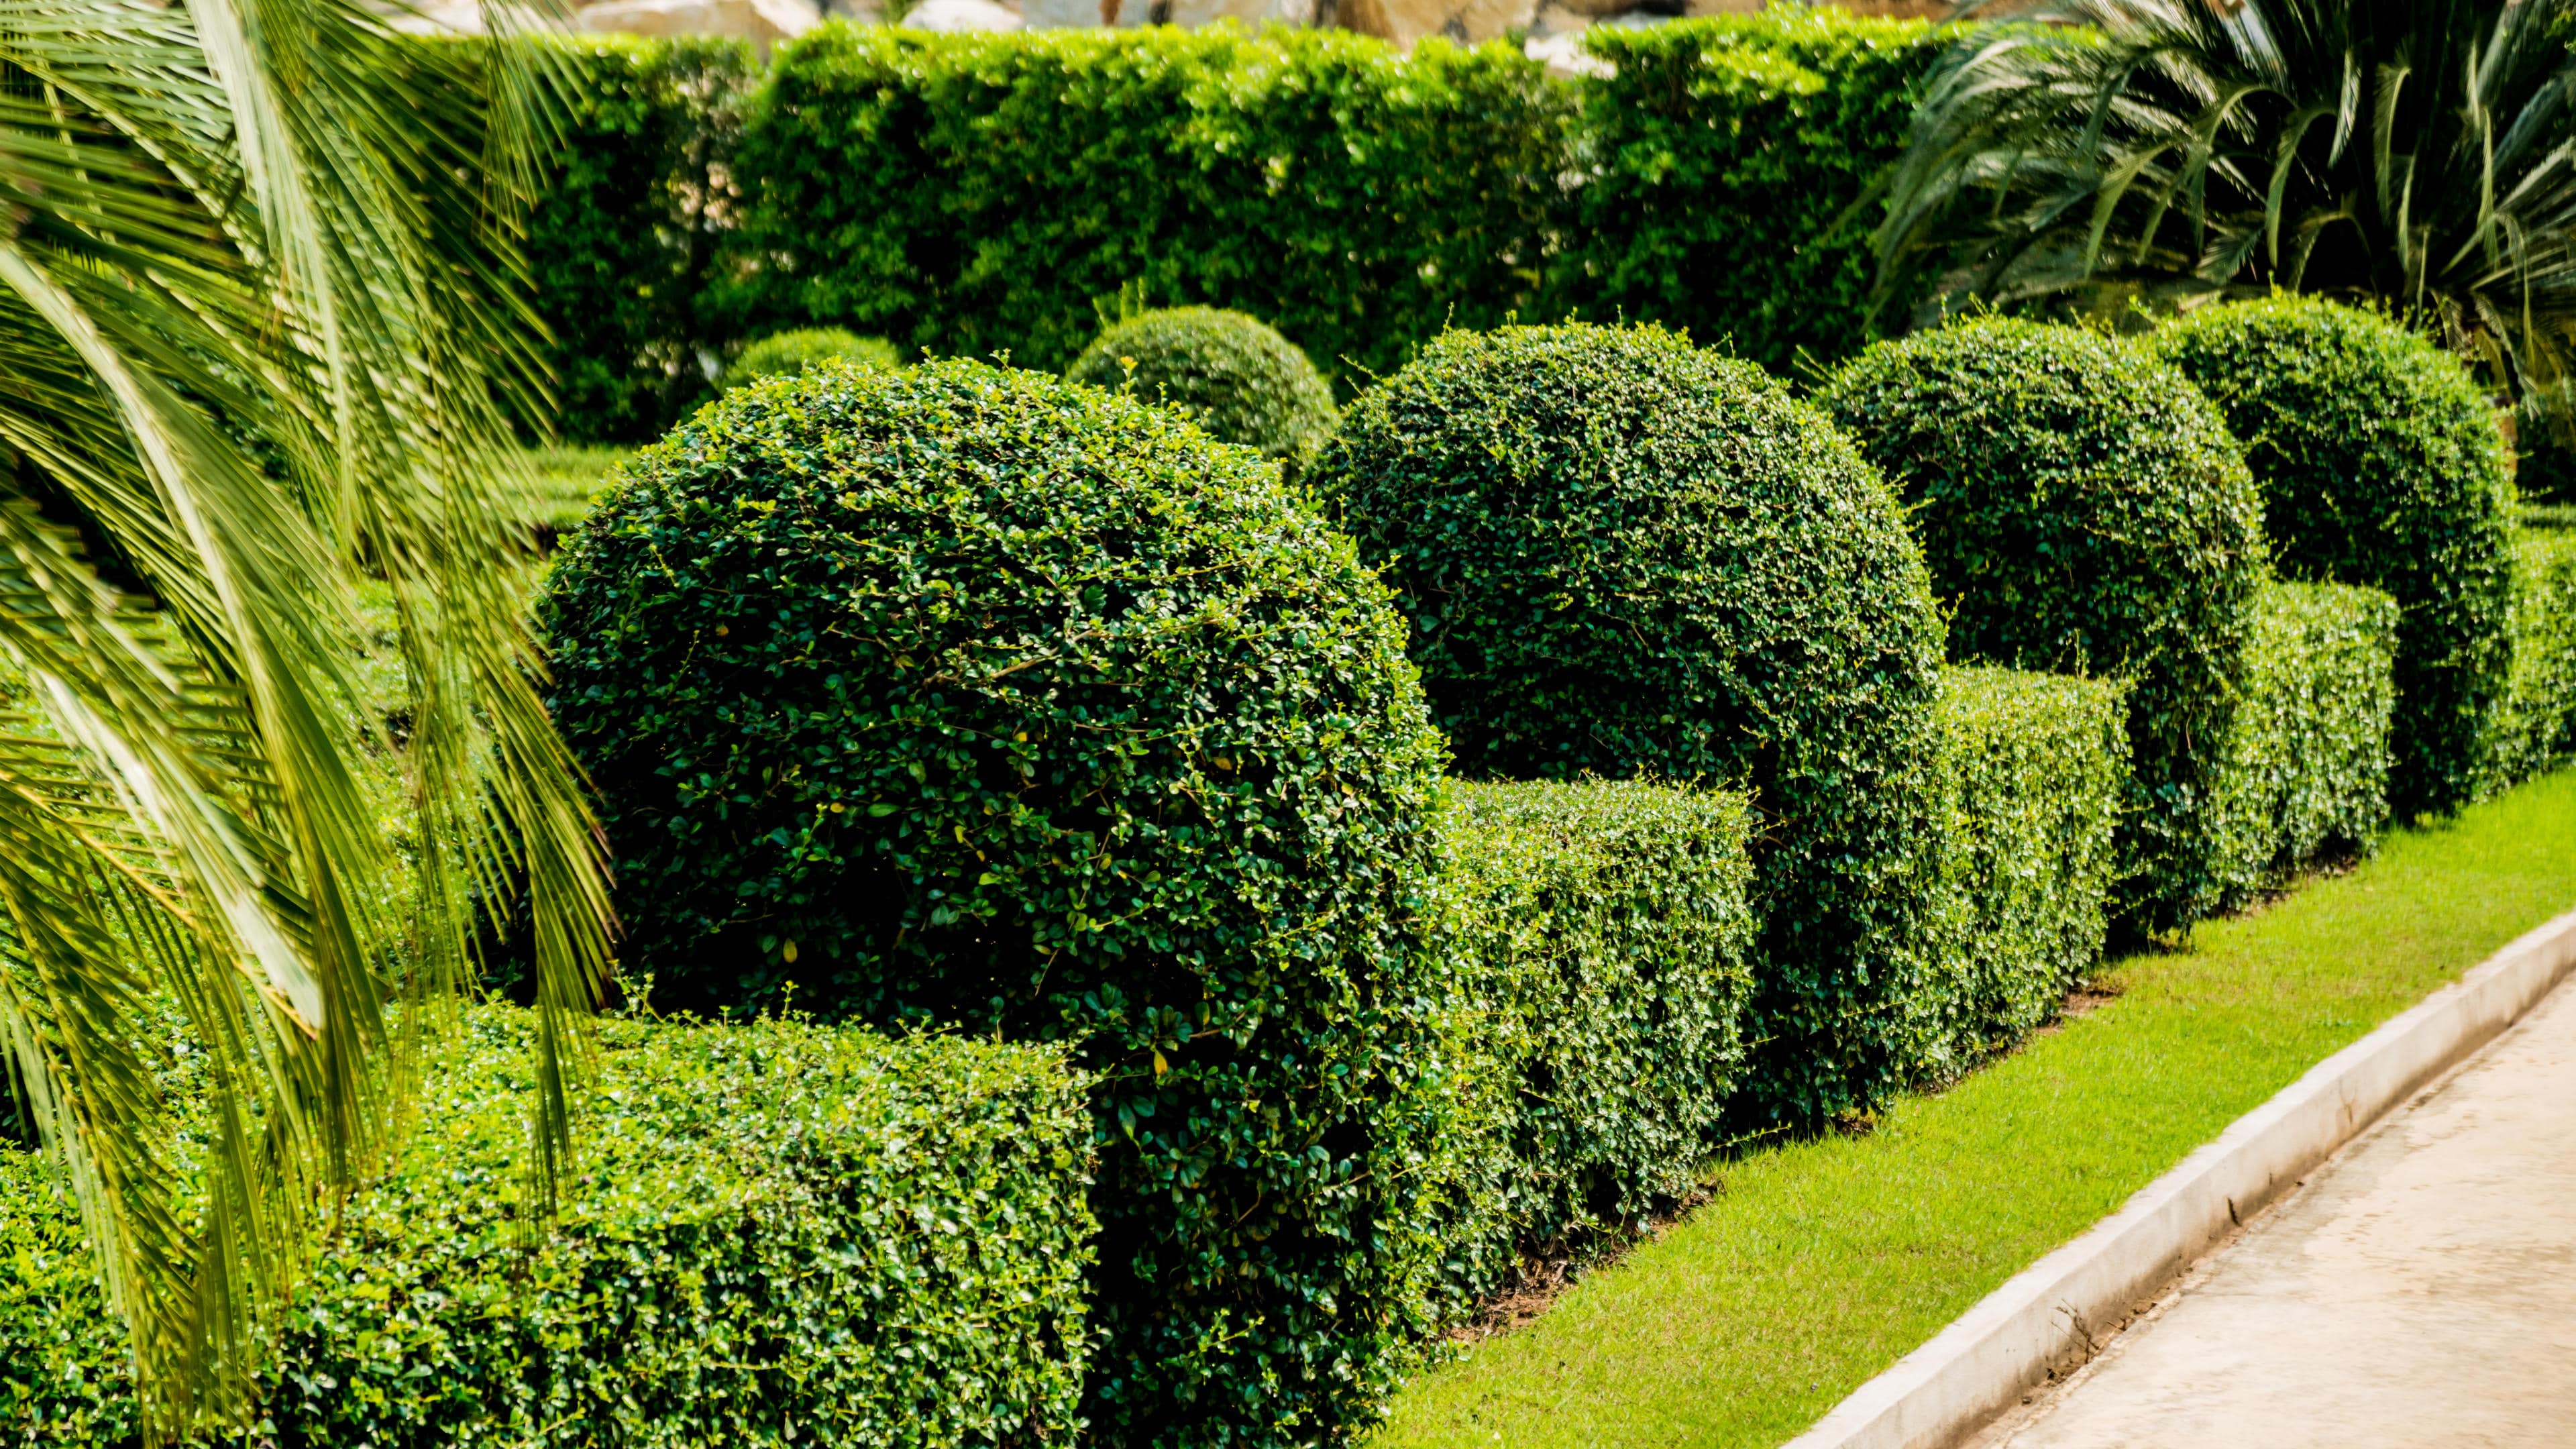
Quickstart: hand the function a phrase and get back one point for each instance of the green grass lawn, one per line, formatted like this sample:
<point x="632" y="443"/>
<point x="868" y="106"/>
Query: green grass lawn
<point x="1820" y="1264"/>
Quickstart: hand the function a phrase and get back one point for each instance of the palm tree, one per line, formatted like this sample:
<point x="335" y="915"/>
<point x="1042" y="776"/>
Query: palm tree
<point x="260" y="331"/>
<point x="2412" y="152"/>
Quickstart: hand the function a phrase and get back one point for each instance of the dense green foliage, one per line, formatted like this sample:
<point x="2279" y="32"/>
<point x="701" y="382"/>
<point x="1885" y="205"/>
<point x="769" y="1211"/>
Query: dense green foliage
<point x="2538" y="728"/>
<point x="773" y="1234"/>
<point x="798" y="349"/>
<point x="2033" y="774"/>
<point x="2083" y="510"/>
<point x="627" y="235"/>
<point x="1728" y="154"/>
<point x="1238" y="377"/>
<point x="1601" y="933"/>
<point x="1621" y="554"/>
<point x="989" y="697"/>
<point x="2308" y="770"/>
<point x="2380" y="464"/>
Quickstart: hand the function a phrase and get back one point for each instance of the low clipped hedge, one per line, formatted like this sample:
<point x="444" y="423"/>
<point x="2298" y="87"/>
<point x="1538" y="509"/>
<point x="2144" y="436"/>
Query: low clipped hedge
<point x="2309" y="769"/>
<point x="1623" y="555"/>
<point x="794" y="351"/>
<point x="981" y="696"/>
<point x="2538" y="728"/>
<point x="2381" y="464"/>
<point x="1601" y="932"/>
<point x="1235" y="374"/>
<point x="771" y="1234"/>
<point x="2083" y="510"/>
<point x="2033" y="775"/>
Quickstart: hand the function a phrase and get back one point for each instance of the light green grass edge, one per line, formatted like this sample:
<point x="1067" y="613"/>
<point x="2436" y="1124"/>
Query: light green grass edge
<point x="1820" y="1264"/>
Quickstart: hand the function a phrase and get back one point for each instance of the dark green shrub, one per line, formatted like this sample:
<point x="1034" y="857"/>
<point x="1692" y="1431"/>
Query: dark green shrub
<point x="2538" y="728"/>
<point x="770" y="1234"/>
<point x="1241" y="380"/>
<point x="1625" y="555"/>
<point x="629" y="229"/>
<point x="2033" y="774"/>
<point x="2380" y="464"/>
<point x="2310" y="758"/>
<point x="983" y="696"/>
<point x="1737" y="139"/>
<point x="2084" y="511"/>
<point x="793" y="352"/>
<point x="1601" y="933"/>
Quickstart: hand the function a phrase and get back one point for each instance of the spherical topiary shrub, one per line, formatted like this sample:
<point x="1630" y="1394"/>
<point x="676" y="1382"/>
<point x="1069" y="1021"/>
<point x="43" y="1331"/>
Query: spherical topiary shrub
<point x="1244" y="382"/>
<point x="2084" y="511"/>
<point x="1624" y="555"/>
<point x="794" y="352"/>
<point x="981" y="697"/>
<point x="2380" y="464"/>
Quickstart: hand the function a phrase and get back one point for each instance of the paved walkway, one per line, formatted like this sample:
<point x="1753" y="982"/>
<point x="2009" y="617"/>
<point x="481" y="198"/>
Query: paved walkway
<point x="2419" y="1290"/>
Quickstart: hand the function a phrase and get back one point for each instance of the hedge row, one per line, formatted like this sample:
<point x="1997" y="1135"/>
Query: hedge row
<point x="772" y="1234"/>
<point x="2538" y="725"/>
<point x="985" y="194"/>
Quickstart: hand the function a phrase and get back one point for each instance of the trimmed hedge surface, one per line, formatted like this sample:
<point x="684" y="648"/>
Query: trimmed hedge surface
<point x="773" y="1234"/>
<point x="795" y="351"/>
<point x="2381" y="464"/>
<point x="2538" y="729"/>
<point x="2085" y="511"/>
<point x="1602" y="934"/>
<point x="2309" y="771"/>
<point x="1624" y="555"/>
<point x="2033" y="774"/>
<point x="987" y="697"/>
<point x="1238" y="377"/>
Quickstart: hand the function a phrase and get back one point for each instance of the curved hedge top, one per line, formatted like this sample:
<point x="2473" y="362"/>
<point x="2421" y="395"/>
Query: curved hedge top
<point x="988" y="697"/>
<point x="2084" y="510"/>
<point x="1243" y="381"/>
<point x="1622" y="554"/>
<point x="2381" y="464"/>
<point x="794" y="351"/>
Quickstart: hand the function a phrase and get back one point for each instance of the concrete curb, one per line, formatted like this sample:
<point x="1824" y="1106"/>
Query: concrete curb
<point x="2048" y="1314"/>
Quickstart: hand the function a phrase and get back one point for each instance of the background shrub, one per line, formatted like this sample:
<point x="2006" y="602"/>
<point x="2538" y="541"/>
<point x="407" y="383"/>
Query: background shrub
<point x="1239" y="378"/>
<point x="2084" y="511"/>
<point x="983" y="696"/>
<point x="1602" y="934"/>
<point x="2537" y="728"/>
<point x="2033" y="774"/>
<point x="2310" y="771"/>
<point x="772" y="1234"/>
<point x="795" y="351"/>
<point x="1621" y="555"/>
<point x="2380" y="464"/>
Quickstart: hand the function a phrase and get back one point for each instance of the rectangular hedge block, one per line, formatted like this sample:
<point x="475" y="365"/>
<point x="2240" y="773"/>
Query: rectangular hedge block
<point x="2536" y="728"/>
<point x="2310" y="771"/>
<point x="2032" y="771"/>
<point x="1600" y="933"/>
<point x="772" y="1234"/>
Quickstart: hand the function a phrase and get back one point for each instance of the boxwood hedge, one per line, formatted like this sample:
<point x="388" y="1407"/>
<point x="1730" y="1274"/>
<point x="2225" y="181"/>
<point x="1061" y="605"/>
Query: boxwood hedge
<point x="2538" y="728"/>
<point x="2083" y="510"/>
<point x="771" y="1234"/>
<point x="1622" y="554"/>
<point x="795" y="350"/>
<point x="986" y="697"/>
<point x="2033" y="774"/>
<point x="1243" y="381"/>
<point x="1601" y="933"/>
<point x="2381" y="464"/>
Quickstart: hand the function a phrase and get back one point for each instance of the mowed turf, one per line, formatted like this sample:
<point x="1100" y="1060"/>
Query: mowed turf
<point x="1821" y="1263"/>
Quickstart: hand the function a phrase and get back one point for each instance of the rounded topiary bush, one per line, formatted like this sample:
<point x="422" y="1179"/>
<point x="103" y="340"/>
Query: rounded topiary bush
<point x="979" y="697"/>
<point x="1243" y="381"/>
<point x="2380" y="463"/>
<point x="1624" y="555"/>
<point x="2084" y="511"/>
<point x="794" y="352"/>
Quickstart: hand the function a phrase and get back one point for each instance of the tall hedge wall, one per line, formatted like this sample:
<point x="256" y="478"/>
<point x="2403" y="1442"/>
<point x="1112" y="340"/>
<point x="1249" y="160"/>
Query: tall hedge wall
<point x="774" y="1234"/>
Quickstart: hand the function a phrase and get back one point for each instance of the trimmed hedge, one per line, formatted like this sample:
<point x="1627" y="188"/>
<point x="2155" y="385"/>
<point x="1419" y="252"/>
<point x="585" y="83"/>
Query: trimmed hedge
<point x="2309" y="767"/>
<point x="2033" y="774"/>
<point x="1625" y="555"/>
<point x="1719" y="143"/>
<point x="1601" y="933"/>
<point x="2538" y="729"/>
<point x="987" y="697"/>
<point x="772" y="1234"/>
<point x="1238" y="377"/>
<point x="2085" y="511"/>
<point x="795" y="351"/>
<point x="2381" y="464"/>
